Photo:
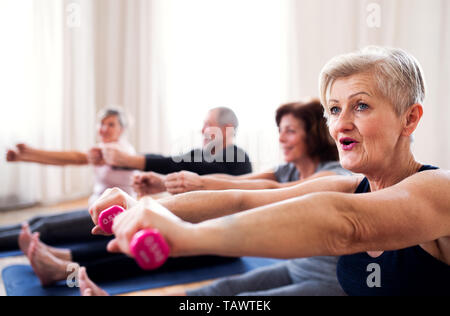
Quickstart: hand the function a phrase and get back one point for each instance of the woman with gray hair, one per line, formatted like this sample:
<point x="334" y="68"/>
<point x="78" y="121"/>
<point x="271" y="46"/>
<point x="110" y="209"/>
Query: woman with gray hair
<point x="73" y="226"/>
<point x="393" y="234"/>
<point x="112" y="123"/>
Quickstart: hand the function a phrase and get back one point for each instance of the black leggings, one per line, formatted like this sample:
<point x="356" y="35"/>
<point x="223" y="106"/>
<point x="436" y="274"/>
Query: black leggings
<point x="104" y="266"/>
<point x="70" y="227"/>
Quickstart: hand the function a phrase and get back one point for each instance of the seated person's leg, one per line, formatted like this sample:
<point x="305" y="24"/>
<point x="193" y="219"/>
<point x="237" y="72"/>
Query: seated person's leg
<point x="118" y="266"/>
<point x="305" y="288"/>
<point x="65" y="228"/>
<point x="56" y="229"/>
<point x="257" y="280"/>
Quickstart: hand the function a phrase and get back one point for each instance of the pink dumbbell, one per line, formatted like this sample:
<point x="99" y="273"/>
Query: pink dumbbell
<point x="106" y="218"/>
<point x="148" y="247"/>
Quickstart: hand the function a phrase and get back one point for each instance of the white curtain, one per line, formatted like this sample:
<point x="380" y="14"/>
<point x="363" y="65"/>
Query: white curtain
<point x="31" y="81"/>
<point x="64" y="61"/>
<point x="127" y="66"/>
<point x="16" y="90"/>
<point x="321" y="29"/>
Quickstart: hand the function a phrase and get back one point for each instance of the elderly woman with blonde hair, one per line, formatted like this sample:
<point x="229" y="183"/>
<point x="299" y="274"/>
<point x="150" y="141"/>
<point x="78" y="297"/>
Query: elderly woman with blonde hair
<point x="393" y="234"/>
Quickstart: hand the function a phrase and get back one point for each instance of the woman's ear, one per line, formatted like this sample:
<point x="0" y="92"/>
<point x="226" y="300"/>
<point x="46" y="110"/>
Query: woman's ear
<point x="412" y="119"/>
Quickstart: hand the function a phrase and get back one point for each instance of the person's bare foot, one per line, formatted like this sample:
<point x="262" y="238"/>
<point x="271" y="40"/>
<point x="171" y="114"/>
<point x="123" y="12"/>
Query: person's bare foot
<point x="87" y="287"/>
<point x="26" y="236"/>
<point x="48" y="268"/>
<point x="63" y="254"/>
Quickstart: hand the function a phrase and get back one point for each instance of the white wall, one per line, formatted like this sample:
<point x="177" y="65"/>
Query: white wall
<point x="321" y="29"/>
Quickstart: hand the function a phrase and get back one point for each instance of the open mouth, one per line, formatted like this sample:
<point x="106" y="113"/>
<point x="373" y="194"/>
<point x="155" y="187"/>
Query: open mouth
<point x="348" y="143"/>
<point x="287" y="150"/>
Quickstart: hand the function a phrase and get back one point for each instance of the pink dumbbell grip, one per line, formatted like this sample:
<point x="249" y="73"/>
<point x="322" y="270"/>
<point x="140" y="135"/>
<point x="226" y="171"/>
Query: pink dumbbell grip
<point x="106" y="218"/>
<point x="148" y="247"/>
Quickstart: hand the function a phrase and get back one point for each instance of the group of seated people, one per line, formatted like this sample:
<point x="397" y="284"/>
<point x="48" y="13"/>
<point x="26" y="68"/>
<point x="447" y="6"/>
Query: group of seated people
<point x="349" y="196"/>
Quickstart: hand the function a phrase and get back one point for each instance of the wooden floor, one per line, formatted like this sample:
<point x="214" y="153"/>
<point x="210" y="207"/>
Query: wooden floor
<point x="170" y="290"/>
<point x="17" y="216"/>
<point x="12" y="217"/>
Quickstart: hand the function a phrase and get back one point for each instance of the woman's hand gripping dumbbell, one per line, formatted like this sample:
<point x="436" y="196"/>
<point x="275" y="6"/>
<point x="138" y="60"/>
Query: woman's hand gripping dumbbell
<point x="148" y="247"/>
<point x="178" y="235"/>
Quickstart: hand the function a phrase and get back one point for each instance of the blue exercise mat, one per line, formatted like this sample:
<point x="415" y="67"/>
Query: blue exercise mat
<point x="20" y="280"/>
<point x="12" y="253"/>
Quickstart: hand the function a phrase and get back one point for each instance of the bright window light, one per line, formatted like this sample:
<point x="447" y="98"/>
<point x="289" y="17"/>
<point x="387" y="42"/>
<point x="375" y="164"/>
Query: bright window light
<point x="225" y="53"/>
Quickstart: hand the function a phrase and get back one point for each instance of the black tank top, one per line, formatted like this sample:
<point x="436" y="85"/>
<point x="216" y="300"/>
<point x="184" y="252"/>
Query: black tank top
<point x="409" y="271"/>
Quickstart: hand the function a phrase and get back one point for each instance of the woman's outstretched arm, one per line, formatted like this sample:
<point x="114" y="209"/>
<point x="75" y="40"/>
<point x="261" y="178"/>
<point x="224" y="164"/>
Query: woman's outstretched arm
<point x="25" y="153"/>
<point x="203" y="205"/>
<point x="182" y="182"/>
<point x="413" y="212"/>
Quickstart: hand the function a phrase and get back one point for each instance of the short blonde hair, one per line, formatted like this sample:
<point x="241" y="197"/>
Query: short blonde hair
<point x="398" y="75"/>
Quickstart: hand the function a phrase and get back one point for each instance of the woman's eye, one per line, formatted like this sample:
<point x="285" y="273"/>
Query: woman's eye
<point x="334" y="110"/>
<point x="362" y="107"/>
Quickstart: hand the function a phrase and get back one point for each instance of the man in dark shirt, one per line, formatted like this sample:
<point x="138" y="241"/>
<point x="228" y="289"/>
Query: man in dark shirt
<point x="218" y="154"/>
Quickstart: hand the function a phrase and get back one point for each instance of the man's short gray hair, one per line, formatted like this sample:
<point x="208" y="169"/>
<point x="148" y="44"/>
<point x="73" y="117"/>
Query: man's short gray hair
<point x="398" y="75"/>
<point x="226" y="116"/>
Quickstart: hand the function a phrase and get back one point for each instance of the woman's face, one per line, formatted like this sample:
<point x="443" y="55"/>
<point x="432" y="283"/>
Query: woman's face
<point x="110" y="129"/>
<point x="292" y="138"/>
<point x="363" y="123"/>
